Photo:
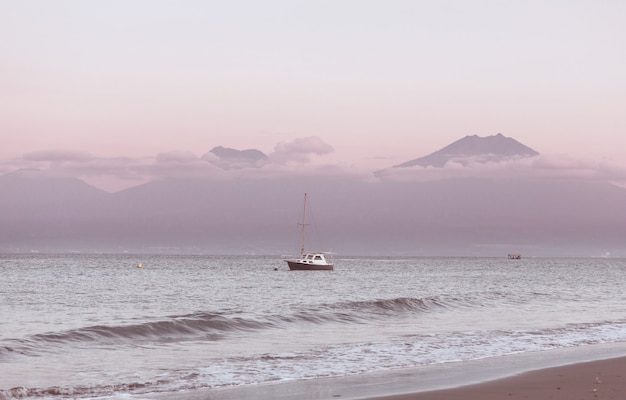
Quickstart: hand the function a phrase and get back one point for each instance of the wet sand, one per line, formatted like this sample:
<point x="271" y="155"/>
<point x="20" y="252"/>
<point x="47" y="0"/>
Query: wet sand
<point x="604" y="379"/>
<point x="575" y="379"/>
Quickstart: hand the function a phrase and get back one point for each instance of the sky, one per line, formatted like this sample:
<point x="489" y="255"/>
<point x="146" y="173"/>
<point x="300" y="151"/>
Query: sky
<point x="120" y="92"/>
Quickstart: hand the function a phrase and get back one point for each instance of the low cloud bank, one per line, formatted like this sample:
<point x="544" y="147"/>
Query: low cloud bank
<point x="295" y="158"/>
<point x="58" y="156"/>
<point x="299" y="150"/>
<point x="116" y="173"/>
<point x="541" y="166"/>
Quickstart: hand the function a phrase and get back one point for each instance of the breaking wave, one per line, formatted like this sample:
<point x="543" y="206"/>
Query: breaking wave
<point x="405" y="352"/>
<point x="216" y="326"/>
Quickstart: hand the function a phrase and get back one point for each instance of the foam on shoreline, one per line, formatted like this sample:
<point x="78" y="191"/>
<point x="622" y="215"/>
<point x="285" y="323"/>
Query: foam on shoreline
<point x="411" y="381"/>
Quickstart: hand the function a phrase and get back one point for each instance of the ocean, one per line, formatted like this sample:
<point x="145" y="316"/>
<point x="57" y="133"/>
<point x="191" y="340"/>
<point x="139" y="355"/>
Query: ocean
<point x="213" y="327"/>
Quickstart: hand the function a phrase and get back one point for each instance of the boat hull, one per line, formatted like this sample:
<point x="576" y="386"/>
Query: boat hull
<point x="300" y="266"/>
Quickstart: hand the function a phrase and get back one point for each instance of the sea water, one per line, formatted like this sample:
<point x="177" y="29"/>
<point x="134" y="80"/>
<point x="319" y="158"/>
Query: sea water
<point x="89" y="326"/>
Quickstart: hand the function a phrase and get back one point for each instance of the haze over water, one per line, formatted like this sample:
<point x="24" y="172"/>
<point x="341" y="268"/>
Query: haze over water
<point x="87" y="326"/>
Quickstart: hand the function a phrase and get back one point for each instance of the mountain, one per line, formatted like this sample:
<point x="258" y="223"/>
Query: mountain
<point x="455" y="216"/>
<point x="474" y="148"/>
<point x="32" y="193"/>
<point x="228" y="158"/>
<point x="49" y="212"/>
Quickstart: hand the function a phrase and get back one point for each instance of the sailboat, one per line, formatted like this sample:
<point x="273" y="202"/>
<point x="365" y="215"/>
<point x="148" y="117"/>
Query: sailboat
<point x="309" y="261"/>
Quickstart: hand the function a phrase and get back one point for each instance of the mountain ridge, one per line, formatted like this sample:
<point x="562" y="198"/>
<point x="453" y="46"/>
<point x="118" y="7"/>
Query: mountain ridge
<point x="452" y="216"/>
<point x="493" y="148"/>
<point x="468" y="216"/>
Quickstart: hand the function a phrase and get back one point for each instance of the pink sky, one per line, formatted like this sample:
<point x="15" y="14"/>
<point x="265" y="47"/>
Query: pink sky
<point x="105" y="87"/>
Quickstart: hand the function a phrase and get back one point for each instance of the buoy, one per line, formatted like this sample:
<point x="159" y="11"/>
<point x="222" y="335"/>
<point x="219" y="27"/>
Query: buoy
<point x="139" y="265"/>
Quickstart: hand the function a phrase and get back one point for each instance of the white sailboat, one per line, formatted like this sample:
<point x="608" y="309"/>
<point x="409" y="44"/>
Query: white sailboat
<point x="309" y="261"/>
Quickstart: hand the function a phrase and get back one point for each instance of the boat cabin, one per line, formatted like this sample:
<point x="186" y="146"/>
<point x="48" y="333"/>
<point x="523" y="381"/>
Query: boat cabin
<point x="313" y="258"/>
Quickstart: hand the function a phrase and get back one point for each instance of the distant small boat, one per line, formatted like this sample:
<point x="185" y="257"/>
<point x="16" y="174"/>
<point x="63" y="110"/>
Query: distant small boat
<point x="309" y="261"/>
<point x="515" y="256"/>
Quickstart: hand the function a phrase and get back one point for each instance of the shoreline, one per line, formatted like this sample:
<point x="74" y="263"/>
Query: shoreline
<point x="540" y="372"/>
<point x="604" y="379"/>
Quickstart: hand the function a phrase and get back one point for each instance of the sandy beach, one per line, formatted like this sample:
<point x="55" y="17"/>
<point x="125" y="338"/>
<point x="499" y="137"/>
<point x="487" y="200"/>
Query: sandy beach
<point x="604" y="379"/>
<point x="574" y="380"/>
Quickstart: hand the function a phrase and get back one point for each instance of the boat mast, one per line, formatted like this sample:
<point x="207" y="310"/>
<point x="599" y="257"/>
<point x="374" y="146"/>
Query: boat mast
<point x="303" y="225"/>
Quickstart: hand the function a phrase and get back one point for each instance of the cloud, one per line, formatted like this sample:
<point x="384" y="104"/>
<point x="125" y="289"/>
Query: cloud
<point x="563" y="162"/>
<point x="540" y="167"/>
<point x="58" y="156"/>
<point x="75" y="162"/>
<point x="120" y="172"/>
<point x="176" y="157"/>
<point x="293" y="159"/>
<point x="180" y="164"/>
<point x="299" y="150"/>
<point x="117" y="173"/>
<point x="564" y="166"/>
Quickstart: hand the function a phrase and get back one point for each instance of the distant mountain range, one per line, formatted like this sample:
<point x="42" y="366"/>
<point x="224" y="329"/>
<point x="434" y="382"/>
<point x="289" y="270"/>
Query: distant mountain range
<point x="464" y="216"/>
<point x="474" y="148"/>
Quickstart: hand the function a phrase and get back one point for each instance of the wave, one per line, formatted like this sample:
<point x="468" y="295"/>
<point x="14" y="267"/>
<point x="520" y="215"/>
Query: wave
<point x="200" y="325"/>
<point x="65" y="392"/>
<point x="218" y="325"/>
<point x="196" y="326"/>
<point x="366" y="310"/>
<point x="427" y="304"/>
<point x="350" y="358"/>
